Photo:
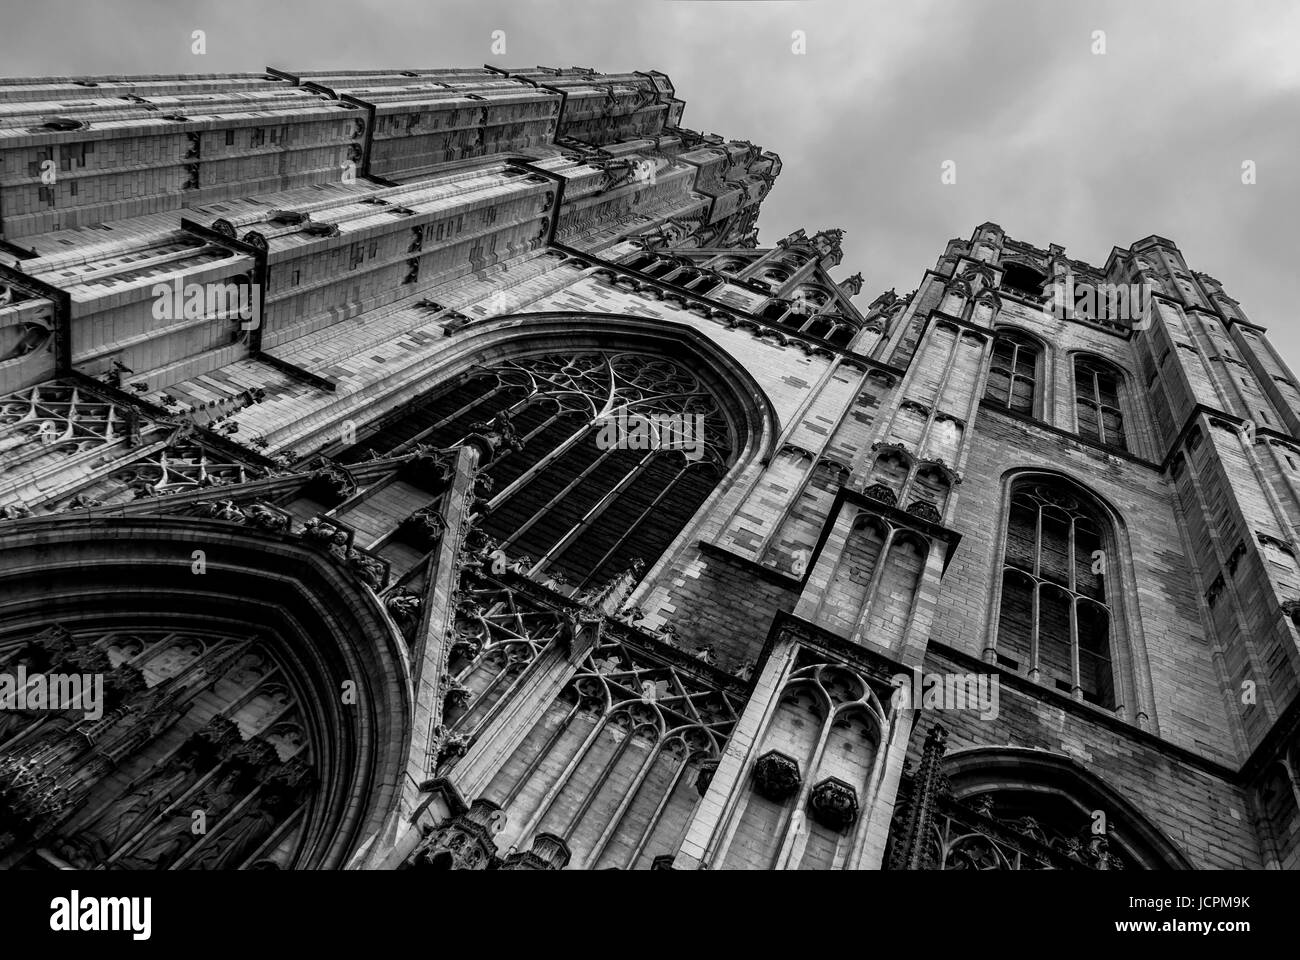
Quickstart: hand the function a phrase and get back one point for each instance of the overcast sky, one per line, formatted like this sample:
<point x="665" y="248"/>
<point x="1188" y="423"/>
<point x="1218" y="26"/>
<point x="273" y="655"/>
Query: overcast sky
<point x="1050" y="140"/>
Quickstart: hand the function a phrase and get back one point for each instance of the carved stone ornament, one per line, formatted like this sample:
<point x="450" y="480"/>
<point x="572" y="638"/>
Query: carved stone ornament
<point x="404" y="608"/>
<point x="260" y="515"/>
<point x="330" y="482"/>
<point x="1292" y="609"/>
<point x="776" y="776"/>
<point x="705" y="777"/>
<point x="881" y="492"/>
<point x="430" y="467"/>
<point x="426" y="525"/>
<point x="496" y="435"/>
<point x="257" y="240"/>
<point x="834" y="804"/>
<point x="465" y="843"/>
<point x="924" y="510"/>
<point x="457" y="696"/>
<point x="369" y="569"/>
<point x="451" y="748"/>
<point x="549" y="852"/>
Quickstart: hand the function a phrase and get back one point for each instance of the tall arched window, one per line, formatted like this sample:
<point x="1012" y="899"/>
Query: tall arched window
<point x="619" y="451"/>
<point x="1097" y="389"/>
<point x="1013" y="373"/>
<point x="1055" y="623"/>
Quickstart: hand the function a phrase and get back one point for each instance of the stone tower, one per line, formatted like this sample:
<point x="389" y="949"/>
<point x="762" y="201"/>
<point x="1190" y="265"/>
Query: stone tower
<point x="436" y="474"/>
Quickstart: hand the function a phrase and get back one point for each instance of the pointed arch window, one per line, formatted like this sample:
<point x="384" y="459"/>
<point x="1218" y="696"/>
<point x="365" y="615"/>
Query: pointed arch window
<point x="619" y="451"/>
<point x="1055" y="622"/>
<point x="1098" y="389"/>
<point x="1014" y="373"/>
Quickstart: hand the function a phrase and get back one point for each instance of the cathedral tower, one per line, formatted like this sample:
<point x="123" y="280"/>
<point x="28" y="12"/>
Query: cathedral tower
<point x="434" y="472"/>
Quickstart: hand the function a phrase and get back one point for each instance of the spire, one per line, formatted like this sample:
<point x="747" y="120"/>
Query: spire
<point x="910" y="847"/>
<point x="799" y="236"/>
<point x="827" y="243"/>
<point x="882" y="303"/>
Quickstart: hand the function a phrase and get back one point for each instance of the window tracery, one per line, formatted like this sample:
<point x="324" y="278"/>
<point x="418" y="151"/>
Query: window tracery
<point x="1013" y="373"/>
<point x="619" y="760"/>
<point x="1003" y="830"/>
<point x="1016" y="809"/>
<point x="55" y="420"/>
<point x="1056" y="621"/>
<point x="619" y="450"/>
<point x="1098" y="390"/>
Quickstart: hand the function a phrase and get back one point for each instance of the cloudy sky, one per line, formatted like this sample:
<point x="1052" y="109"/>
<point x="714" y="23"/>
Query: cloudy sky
<point x="1056" y="143"/>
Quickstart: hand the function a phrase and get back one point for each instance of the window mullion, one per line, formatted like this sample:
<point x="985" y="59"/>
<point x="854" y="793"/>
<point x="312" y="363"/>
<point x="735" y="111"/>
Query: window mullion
<point x="409" y="444"/>
<point x="1070" y="558"/>
<point x="1038" y="542"/>
<point x="594" y="513"/>
<point x="1033" y="633"/>
<point x="1076" y="686"/>
<point x="1101" y="420"/>
<point x="546" y="507"/>
<point x="527" y="476"/>
<point x="634" y="525"/>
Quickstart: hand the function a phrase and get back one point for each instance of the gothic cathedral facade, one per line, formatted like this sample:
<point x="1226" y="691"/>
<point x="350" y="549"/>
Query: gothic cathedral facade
<point x="429" y="470"/>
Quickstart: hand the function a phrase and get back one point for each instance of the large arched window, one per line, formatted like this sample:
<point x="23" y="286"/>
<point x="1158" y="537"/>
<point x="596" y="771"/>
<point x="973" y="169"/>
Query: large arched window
<point x="1097" y="390"/>
<point x="1055" y="623"/>
<point x="619" y="451"/>
<point x="1013" y="373"/>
